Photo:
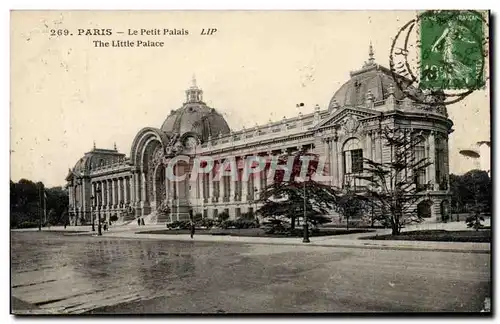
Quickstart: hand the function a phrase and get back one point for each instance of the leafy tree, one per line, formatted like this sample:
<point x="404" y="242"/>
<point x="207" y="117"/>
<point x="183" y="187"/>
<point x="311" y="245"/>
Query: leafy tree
<point x="57" y="201"/>
<point x="350" y="204"/>
<point x="286" y="197"/>
<point x="26" y="203"/>
<point x="393" y="185"/>
<point x="471" y="190"/>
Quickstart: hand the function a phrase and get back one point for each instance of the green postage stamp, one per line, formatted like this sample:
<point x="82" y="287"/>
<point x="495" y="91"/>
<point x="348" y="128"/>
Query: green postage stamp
<point x="452" y="50"/>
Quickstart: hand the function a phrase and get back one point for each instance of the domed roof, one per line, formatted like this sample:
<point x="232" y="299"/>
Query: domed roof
<point x="81" y="165"/>
<point x="195" y="116"/>
<point x="371" y="78"/>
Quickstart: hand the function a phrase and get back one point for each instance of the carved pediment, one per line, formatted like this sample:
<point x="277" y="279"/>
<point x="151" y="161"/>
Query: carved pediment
<point x="347" y="118"/>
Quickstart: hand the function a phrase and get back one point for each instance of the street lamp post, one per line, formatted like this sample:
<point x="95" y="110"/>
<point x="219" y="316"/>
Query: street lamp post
<point x="92" y="213"/>
<point x="98" y="192"/>
<point x="306" y="225"/>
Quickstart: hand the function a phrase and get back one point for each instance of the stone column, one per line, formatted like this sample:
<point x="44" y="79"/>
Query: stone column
<point x="136" y="192"/>
<point x="267" y="181"/>
<point x="101" y="198"/>
<point x="127" y="189"/>
<point x="84" y="199"/>
<point x="327" y="171"/>
<point x="378" y="152"/>
<point x="120" y="191"/>
<point x="432" y="159"/>
<point x="222" y="183"/>
<point x="258" y="182"/>
<point x="168" y="187"/>
<point x="199" y="186"/>
<point x="203" y="186"/>
<point x="335" y="164"/>
<point x="114" y="191"/>
<point x="369" y="146"/>
<point x="243" y="181"/>
<point x="211" y="185"/>
<point x="144" y="197"/>
<point x="108" y="193"/>
<point x="137" y="187"/>
<point x="131" y="190"/>
<point x="232" y="184"/>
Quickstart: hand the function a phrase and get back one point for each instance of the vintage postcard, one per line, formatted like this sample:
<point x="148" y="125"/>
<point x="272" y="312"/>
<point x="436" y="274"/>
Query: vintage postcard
<point x="244" y="162"/>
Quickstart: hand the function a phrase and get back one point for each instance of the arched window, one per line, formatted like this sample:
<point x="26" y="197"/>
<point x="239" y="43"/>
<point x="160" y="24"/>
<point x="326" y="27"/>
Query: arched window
<point x="419" y="153"/>
<point x="352" y="156"/>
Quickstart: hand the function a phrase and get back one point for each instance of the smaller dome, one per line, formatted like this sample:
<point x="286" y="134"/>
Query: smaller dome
<point x="81" y="165"/>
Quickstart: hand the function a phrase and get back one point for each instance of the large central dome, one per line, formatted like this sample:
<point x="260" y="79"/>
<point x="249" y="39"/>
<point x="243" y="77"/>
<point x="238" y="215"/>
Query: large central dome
<point x="195" y="116"/>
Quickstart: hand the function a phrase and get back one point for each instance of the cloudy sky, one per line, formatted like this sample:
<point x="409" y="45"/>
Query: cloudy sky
<point x="66" y="93"/>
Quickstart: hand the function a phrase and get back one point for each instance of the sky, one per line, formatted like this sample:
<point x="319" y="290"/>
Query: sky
<point x="66" y="93"/>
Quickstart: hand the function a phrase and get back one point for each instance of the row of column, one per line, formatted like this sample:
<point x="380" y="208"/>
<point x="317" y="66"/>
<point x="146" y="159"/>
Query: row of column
<point x="114" y="193"/>
<point x="227" y="190"/>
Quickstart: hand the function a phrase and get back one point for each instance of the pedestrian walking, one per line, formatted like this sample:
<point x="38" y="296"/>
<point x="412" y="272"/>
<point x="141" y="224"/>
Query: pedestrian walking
<point x="142" y="222"/>
<point x="139" y="221"/>
<point x="191" y="223"/>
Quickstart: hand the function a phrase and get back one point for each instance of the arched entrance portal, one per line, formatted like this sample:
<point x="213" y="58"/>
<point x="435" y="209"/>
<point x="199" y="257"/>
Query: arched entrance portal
<point x="424" y="209"/>
<point x="180" y="186"/>
<point x="160" y="185"/>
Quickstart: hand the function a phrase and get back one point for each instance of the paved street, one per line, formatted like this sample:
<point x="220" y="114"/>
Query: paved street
<point x="80" y="273"/>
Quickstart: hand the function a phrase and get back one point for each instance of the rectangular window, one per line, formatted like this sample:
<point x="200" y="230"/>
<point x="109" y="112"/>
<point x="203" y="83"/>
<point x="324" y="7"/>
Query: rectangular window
<point x="357" y="161"/>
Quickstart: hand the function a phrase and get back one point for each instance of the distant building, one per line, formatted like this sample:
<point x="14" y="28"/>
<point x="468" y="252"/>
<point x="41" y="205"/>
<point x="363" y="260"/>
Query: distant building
<point x="346" y="132"/>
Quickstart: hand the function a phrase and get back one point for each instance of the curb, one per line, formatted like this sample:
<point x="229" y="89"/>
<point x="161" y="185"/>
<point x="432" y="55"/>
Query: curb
<point x="354" y="246"/>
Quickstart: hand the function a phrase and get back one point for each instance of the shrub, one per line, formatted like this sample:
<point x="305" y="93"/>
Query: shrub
<point x="474" y="221"/>
<point x="206" y="222"/>
<point x="28" y="224"/>
<point x="275" y="226"/>
<point x="227" y="224"/>
<point x="245" y="223"/>
<point x="178" y="225"/>
<point x="113" y="218"/>
<point x="224" y="216"/>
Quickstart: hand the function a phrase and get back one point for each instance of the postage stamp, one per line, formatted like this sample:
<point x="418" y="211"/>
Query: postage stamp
<point x="452" y="50"/>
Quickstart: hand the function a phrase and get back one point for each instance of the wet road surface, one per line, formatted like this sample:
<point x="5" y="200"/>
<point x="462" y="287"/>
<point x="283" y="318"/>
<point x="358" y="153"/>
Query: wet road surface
<point x="82" y="274"/>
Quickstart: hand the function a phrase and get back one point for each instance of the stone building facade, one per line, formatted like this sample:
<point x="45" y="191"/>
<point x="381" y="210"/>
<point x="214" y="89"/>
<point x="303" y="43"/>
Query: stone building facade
<point x="111" y="183"/>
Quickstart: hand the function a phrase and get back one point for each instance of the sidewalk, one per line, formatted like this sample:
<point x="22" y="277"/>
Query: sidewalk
<point x="341" y="241"/>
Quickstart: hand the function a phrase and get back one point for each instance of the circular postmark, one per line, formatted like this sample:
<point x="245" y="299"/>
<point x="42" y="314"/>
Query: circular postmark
<point x="451" y="59"/>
